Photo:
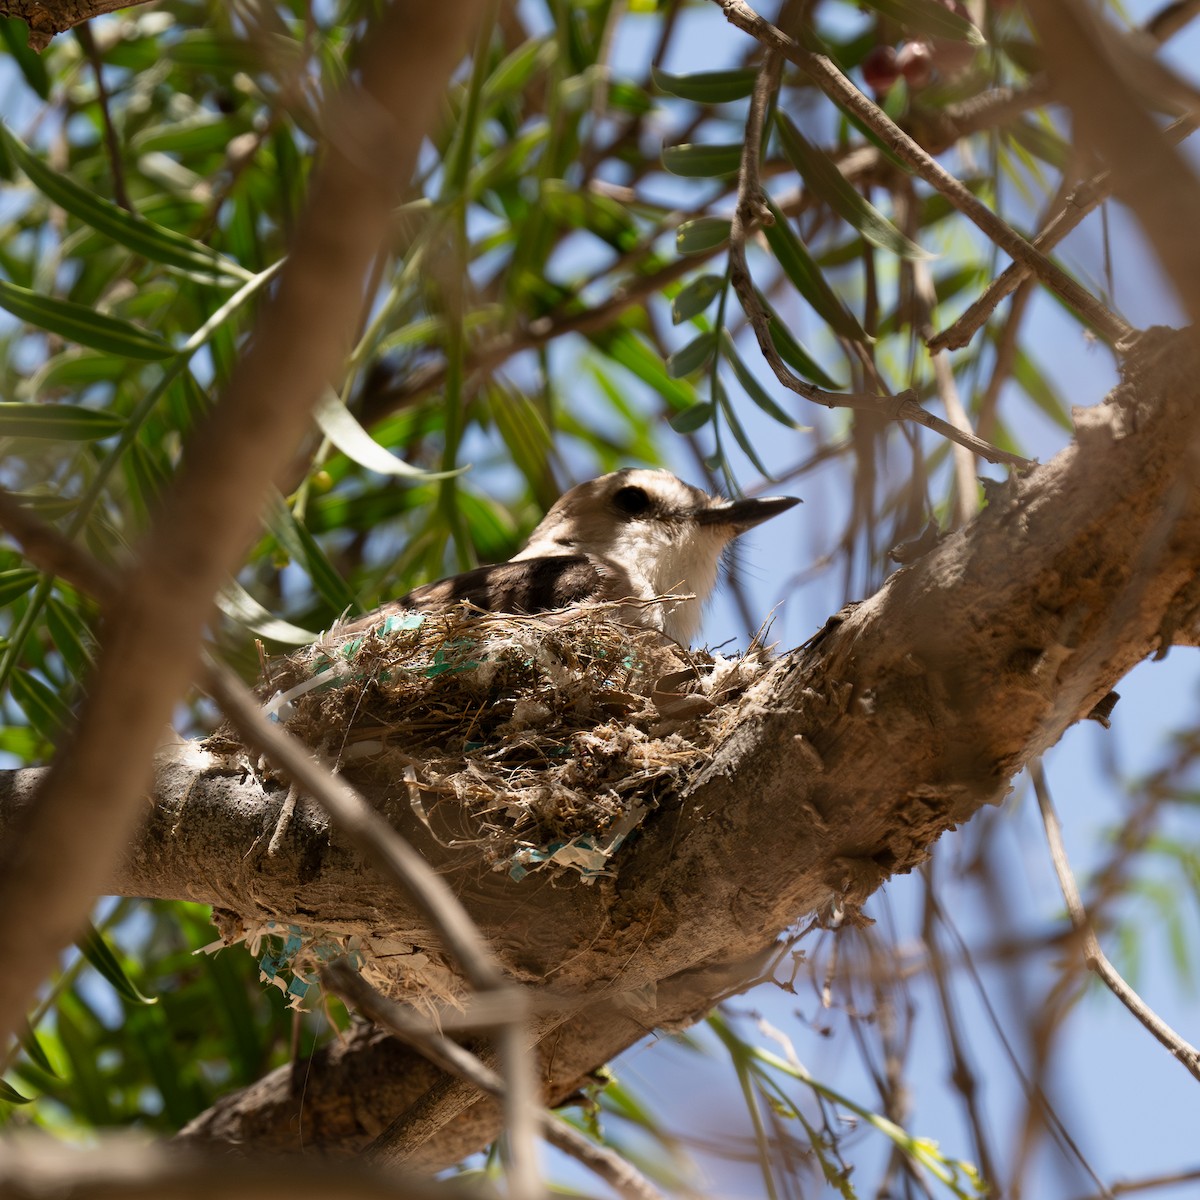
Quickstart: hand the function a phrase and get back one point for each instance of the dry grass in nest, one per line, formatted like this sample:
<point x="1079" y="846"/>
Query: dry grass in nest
<point x="540" y="740"/>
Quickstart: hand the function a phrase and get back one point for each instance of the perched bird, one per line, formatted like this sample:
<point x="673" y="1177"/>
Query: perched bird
<point x="634" y="535"/>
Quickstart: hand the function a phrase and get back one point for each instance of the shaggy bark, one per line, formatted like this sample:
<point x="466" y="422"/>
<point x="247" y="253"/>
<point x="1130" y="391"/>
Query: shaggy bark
<point x="905" y="715"/>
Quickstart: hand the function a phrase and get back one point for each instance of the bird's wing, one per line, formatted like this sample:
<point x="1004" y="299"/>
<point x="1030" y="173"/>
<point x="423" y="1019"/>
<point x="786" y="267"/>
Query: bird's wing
<point x="531" y="585"/>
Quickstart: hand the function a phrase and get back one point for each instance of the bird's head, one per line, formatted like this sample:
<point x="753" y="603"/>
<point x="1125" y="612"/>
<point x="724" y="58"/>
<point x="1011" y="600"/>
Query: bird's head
<point x="666" y="535"/>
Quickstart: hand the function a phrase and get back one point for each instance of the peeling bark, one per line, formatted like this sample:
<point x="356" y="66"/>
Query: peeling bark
<point x="897" y="722"/>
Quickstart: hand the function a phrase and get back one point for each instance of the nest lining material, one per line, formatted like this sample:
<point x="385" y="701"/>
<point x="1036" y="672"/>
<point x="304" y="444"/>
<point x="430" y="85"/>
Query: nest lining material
<point x="542" y="741"/>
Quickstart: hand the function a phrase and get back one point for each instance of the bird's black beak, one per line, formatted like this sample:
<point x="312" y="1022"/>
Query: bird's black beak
<point x="745" y="514"/>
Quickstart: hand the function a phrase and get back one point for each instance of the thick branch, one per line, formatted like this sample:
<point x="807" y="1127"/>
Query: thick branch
<point x="904" y="716"/>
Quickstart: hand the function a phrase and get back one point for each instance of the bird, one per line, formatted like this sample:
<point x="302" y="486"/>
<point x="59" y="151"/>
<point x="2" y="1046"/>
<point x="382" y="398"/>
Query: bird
<point x="638" y="535"/>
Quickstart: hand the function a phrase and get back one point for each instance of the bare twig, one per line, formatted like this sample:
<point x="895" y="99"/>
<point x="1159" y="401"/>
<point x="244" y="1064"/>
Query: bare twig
<point x="843" y="93"/>
<point x="1094" y="957"/>
<point x="752" y="211"/>
<point x="347" y="983"/>
<point x="83" y="33"/>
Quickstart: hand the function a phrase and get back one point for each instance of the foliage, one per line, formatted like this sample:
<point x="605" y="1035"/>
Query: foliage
<point x="558" y="302"/>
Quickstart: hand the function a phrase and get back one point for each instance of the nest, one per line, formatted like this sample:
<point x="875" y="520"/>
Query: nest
<point x="542" y="740"/>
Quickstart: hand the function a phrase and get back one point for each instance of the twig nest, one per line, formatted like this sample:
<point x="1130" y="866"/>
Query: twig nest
<point x="540" y="740"/>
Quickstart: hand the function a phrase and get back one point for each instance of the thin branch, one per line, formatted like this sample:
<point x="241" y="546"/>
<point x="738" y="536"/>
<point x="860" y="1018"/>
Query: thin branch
<point x="53" y="552"/>
<point x="342" y="979"/>
<point x="845" y="95"/>
<point x="1094" y="956"/>
<point x="84" y="34"/>
<point x="752" y="211"/>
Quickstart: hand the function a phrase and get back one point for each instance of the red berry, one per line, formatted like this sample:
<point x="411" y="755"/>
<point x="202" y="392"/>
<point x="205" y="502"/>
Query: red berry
<point x="915" y="63"/>
<point x="879" y="69"/>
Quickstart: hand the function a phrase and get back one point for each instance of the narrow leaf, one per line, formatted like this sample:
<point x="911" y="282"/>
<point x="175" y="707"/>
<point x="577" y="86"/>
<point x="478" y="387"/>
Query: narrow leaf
<point x="706" y="87"/>
<point x="751" y="385"/>
<point x="700" y="160"/>
<point x="702" y="234"/>
<point x="691" y="419"/>
<point x="696" y="354"/>
<point x="10" y="1095"/>
<point x="38" y="701"/>
<point x="338" y="424"/>
<point x="793" y="353"/>
<point x="16" y="582"/>
<point x="303" y="548"/>
<point x="59" y="422"/>
<point x="735" y="427"/>
<point x="696" y="297"/>
<point x="1036" y="386"/>
<point x="100" y="955"/>
<point x="152" y="241"/>
<point x="800" y="268"/>
<point x="822" y="177"/>
<point x="237" y="603"/>
<point x="80" y="324"/>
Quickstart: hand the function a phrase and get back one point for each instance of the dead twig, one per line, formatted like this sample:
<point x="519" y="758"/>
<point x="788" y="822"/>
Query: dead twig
<point x="1094" y="957"/>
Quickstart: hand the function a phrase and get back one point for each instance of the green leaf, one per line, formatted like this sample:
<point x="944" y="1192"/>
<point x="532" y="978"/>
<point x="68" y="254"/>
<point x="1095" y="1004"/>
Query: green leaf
<point x="696" y="354"/>
<point x="70" y="635"/>
<point x="15" y="34"/>
<point x="339" y="425"/>
<point x="701" y="235"/>
<point x="59" y="422"/>
<point x="32" y="1046"/>
<point x="15" y="583"/>
<point x="793" y="353"/>
<point x="237" y="603"/>
<point x="735" y="427"/>
<point x="1040" y="141"/>
<point x="702" y="160"/>
<point x="9" y="1095"/>
<point x="602" y="215"/>
<point x="80" y="324"/>
<point x="755" y="390"/>
<point x="100" y="955"/>
<point x="802" y="270"/>
<point x="625" y="347"/>
<point x="691" y="419"/>
<point x="517" y="69"/>
<point x="696" y="297"/>
<point x="303" y="549"/>
<point x="822" y="177"/>
<point x="152" y="241"/>
<point x="46" y="712"/>
<point x="1039" y="389"/>
<point x="706" y="87"/>
<point x="928" y="17"/>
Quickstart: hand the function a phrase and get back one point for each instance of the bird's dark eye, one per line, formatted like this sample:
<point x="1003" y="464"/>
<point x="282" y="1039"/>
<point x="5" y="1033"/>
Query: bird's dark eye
<point x="632" y="500"/>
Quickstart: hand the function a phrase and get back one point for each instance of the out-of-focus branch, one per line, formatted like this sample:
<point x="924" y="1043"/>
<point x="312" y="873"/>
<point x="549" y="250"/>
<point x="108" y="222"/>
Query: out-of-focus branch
<point x="1093" y="72"/>
<point x="346" y="982"/>
<point x="134" y="1169"/>
<point x="68" y="841"/>
<point x="1094" y="956"/>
